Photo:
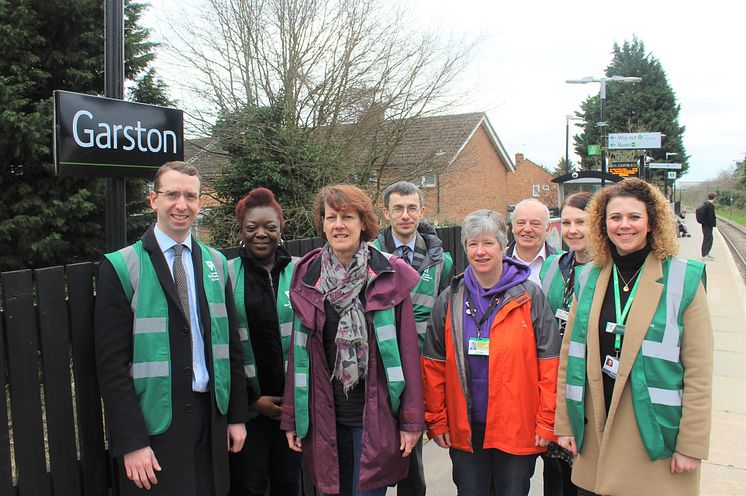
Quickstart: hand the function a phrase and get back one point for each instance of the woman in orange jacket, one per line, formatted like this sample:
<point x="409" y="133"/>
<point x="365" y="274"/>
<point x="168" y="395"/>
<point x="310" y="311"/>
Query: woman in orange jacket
<point x="490" y="367"/>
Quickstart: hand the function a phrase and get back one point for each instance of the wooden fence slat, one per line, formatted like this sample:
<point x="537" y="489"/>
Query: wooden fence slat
<point x="6" y="473"/>
<point x="54" y="335"/>
<point x="23" y="371"/>
<point x="93" y="457"/>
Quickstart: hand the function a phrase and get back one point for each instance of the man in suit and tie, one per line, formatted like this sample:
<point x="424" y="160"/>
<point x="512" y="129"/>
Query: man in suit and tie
<point x="418" y="244"/>
<point x="168" y="352"/>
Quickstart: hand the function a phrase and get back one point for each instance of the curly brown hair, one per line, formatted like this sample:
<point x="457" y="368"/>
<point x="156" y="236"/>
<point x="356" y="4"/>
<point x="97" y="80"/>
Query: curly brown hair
<point x="661" y="220"/>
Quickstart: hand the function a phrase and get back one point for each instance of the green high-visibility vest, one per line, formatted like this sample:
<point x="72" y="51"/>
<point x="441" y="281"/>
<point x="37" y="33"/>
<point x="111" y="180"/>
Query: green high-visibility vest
<point x="552" y="283"/>
<point x="384" y="325"/>
<point x="284" y="315"/>
<point x="151" y="354"/>
<point x="425" y="292"/>
<point x="657" y="375"/>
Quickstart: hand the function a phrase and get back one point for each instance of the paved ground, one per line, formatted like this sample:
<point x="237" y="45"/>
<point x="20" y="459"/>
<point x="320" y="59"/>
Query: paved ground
<point x="725" y="472"/>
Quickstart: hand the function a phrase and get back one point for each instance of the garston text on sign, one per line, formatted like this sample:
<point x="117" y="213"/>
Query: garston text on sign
<point x="109" y="136"/>
<point x="97" y="136"/>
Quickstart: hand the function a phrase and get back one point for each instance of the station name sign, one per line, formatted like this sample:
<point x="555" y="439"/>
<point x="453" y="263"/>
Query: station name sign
<point x="97" y="136"/>
<point x="634" y="141"/>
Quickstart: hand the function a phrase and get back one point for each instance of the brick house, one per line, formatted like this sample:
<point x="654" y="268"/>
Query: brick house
<point x="531" y="181"/>
<point x="458" y="161"/>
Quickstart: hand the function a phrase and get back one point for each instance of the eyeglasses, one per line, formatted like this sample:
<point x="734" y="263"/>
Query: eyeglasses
<point x="398" y="210"/>
<point x="173" y="196"/>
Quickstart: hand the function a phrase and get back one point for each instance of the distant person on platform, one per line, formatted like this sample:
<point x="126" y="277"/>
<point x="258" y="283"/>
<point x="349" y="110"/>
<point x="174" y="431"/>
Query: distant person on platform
<point x="417" y="243"/>
<point x="168" y="352"/>
<point x="708" y="223"/>
<point x="530" y="225"/>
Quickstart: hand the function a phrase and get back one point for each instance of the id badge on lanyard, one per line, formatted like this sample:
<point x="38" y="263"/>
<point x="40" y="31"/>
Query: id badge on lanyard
<point x="479" y="346"/>
<point x="611" y="362"/>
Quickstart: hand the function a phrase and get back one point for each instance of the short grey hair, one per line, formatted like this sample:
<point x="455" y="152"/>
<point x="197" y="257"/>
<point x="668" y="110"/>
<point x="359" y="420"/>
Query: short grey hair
<point x="484" y="221"/>
<point x="403" y="188"/>
<point x="529" y="201"/>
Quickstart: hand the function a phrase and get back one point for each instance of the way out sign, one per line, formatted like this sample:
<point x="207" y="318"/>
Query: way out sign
<point x="96" y="136"/>
<point x="634" y="141"/>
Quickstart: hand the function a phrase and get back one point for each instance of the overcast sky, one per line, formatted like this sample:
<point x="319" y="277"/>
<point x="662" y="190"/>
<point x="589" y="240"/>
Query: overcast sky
<point x="529" y="48"/>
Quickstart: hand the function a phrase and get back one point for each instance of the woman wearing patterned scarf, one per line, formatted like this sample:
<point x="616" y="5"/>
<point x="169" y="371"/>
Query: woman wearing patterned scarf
<point x="353" y="392"/>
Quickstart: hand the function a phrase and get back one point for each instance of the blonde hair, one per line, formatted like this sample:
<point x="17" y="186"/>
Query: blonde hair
<point x="661" y="220"/>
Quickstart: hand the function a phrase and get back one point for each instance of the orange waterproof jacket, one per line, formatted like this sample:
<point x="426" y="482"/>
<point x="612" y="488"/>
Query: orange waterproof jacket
<point x="522" y="384"/>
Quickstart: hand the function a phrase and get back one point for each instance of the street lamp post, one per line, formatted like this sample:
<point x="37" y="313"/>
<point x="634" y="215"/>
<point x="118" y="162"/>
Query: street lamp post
<point x="568" y="118"/>
<point x="602" y="96"/>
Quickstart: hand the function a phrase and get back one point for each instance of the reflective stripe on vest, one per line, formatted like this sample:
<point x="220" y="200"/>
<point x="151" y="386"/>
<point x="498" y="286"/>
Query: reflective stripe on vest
<point x="284" y="315"/>
<point x="552" y="283"/>
<point x="151" y="356"/>
<point x="384" y="325"/>
<point x="425" y="292"/>
<point x="656" y="377"/>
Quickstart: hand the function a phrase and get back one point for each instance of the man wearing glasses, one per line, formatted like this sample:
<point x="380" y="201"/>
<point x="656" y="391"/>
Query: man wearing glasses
<point x="418" y="244"/>
<point x="168" y="353"/>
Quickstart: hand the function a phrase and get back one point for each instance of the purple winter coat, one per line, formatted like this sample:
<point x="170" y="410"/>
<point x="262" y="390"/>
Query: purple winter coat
<point x="381" y="462"/>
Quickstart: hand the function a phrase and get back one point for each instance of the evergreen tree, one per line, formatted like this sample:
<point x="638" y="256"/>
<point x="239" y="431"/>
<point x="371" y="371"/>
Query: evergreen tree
<point x="268" y="152"/>
<point x="46" y="46"/>
<point x="647" y="106"/>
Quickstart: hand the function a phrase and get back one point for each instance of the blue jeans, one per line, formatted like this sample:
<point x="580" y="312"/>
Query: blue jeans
<point x="475" y="473"/>
<point x="350" y="447"/>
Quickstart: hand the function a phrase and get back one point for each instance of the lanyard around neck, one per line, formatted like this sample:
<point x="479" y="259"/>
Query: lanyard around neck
<point x="472" y="311"/>
<point x="621" y="314"/>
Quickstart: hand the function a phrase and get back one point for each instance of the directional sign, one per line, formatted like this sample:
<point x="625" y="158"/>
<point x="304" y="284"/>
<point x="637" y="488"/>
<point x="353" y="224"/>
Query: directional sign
<point x="594" y="150"/>
<point x="663" y="165"/>
<point x="634" y="141"/>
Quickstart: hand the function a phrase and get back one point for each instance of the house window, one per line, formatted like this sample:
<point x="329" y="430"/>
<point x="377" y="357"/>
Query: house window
<point x="536" y="190"/>
<point x="428" y="181"/>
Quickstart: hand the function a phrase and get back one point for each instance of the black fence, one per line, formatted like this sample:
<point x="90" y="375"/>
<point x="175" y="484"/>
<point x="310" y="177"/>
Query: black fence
<point x="52" y="428"/>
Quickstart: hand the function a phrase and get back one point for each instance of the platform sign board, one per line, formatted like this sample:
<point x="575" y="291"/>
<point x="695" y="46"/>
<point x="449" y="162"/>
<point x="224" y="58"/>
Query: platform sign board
<point x="664" y="165"/>
<point x="105" y="137"/>
<point x="634" y="141"/>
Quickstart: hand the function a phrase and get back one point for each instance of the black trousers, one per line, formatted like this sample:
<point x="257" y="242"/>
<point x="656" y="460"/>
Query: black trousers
<point x="265" y="459"/>
<point x="706" y="240"/>
<point x="557" y="477"/>
<point x="414" y="483"/>
<point x="202" y="444"/>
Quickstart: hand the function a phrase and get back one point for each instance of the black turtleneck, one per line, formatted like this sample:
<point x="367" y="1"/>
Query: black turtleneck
<point x="260" y="300"/>
<point x="627" y="265"/>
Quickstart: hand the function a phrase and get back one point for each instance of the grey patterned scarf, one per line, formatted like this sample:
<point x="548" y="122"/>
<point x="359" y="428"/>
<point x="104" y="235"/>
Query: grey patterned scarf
<point x="341" y="286"/>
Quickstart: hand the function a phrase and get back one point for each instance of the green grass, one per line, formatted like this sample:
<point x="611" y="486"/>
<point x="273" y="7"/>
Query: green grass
<point x="738" y="216"/>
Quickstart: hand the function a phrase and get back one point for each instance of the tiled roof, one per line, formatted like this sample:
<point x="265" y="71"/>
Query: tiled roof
<point x="435" y="142"/>
<point x="207" y="156"/>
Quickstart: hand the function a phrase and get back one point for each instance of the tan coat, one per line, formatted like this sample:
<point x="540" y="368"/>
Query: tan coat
<point x="613" y="460"/>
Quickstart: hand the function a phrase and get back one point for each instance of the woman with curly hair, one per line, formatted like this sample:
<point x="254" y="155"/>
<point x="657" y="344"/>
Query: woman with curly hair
<point x="634" y="387"/>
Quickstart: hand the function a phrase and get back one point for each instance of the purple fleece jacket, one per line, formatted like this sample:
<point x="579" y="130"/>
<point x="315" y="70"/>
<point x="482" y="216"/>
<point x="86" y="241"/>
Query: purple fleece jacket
<point x="514" y="272"/>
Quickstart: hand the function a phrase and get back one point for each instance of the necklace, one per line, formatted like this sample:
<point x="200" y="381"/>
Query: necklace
<point x="626" y="283"/>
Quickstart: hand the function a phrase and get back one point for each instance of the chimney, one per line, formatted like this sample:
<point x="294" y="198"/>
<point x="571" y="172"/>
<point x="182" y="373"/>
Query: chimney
<point x="518" y="158"/>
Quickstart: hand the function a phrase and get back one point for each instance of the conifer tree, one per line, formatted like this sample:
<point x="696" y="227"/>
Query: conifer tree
<point x="46" y="46"/>
<point x="647" y="106"/>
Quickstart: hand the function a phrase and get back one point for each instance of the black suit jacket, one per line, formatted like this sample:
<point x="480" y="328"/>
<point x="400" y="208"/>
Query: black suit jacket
<point x="174" y="448"/>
